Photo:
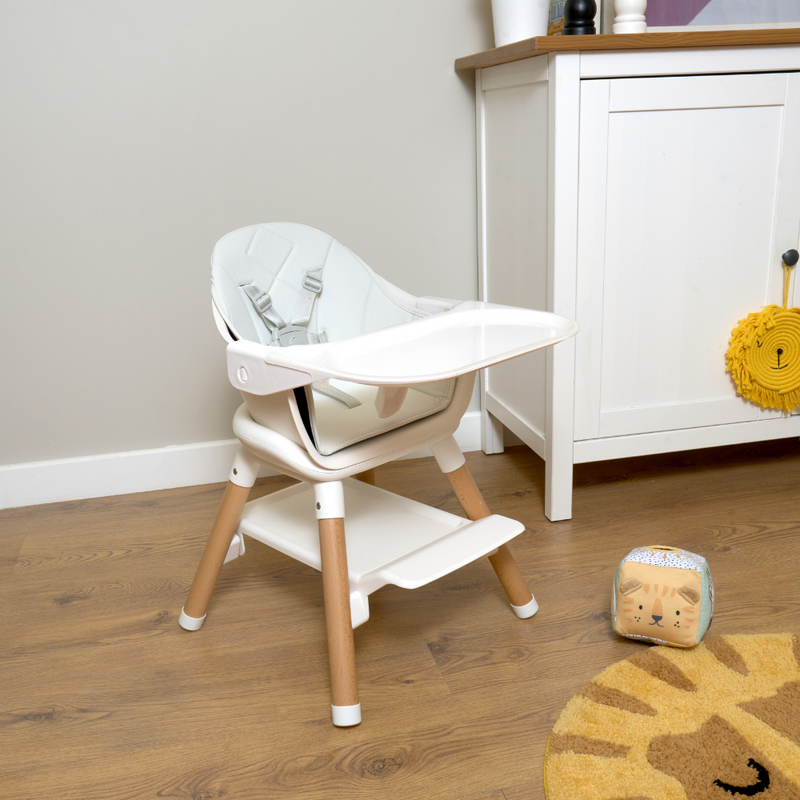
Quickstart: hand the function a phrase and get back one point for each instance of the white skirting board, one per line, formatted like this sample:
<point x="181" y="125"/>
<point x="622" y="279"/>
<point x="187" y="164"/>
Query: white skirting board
<point x="147" y="470"/>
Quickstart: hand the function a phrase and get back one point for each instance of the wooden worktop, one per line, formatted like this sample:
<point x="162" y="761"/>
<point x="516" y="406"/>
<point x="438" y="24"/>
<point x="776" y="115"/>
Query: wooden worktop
<point x="527" y="48"/>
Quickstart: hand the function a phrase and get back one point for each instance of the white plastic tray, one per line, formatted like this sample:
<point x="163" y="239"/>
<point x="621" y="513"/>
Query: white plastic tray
<point x="469" y="337"/>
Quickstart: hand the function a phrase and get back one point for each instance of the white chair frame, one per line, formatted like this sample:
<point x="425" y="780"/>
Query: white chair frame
<point x="453" y="344"/>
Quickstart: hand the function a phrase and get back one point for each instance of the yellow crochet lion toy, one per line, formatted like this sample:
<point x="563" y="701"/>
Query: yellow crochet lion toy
<point x="764" y="352"/>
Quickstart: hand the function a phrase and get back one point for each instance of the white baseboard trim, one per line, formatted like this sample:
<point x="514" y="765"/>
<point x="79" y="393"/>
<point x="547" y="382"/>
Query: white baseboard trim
<point x="147" y="470"/>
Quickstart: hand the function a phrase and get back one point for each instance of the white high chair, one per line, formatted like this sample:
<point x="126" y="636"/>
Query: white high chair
<point x="340" y="372"/>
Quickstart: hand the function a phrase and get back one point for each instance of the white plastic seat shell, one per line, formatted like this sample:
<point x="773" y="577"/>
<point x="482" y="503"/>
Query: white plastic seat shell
<point x="305" y="462"/>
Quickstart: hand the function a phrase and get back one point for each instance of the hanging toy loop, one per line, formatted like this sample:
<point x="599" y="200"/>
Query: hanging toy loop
<point x="764" y="353"/>
<point x="789" y="258"/>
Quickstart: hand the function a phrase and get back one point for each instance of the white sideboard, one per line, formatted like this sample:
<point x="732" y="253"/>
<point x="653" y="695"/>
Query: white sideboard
<point x="647" y="191"/>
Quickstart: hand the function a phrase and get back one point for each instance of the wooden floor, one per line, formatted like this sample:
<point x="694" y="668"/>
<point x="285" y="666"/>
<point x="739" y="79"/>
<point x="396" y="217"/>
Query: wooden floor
<point x="104" y="697"/>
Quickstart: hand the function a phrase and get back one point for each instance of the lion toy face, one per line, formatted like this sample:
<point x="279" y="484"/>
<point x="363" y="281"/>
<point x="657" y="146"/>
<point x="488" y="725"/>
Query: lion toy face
<point x="663" y="595"/>
<point x="772" y="357"/>
<point x="764" y="358"/>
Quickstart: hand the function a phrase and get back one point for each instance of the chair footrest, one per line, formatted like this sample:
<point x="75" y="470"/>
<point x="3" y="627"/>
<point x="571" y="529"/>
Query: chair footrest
<point x="390" y="539"/>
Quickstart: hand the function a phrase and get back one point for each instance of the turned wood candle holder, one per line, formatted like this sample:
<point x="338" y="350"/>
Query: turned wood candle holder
<point x="579" y="17"/>
<point x="629" y="16"/>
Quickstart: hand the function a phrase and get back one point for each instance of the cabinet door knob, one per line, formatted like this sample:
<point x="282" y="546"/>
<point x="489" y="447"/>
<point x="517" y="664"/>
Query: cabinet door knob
<point x="790" y="257"/>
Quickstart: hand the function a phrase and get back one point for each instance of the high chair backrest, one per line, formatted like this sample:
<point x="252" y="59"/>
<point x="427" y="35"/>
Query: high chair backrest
<point x="285" y="283"/>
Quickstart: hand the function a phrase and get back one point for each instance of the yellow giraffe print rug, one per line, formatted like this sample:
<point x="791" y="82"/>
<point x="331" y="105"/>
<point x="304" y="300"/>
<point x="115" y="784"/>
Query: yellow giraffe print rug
<point x="720" y="721"/>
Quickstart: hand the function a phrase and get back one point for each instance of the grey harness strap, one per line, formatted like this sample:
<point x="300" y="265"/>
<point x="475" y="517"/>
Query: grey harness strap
<point x="297" y="332"/>
<point x="324" y="387"/>
<point x="312" y="286"/>
<point x="286" y="335"/>
<point x="263" y="304"/>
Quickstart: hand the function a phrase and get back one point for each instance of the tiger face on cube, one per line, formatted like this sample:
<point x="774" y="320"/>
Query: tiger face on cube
<point x="664" y="595"/>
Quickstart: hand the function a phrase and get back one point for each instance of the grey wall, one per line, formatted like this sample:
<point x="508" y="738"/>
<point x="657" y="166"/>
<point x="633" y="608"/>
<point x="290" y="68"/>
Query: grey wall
<point x="134" y="134"/>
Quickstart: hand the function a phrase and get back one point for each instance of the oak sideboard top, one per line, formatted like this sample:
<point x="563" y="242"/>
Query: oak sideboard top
<point x="671" y="40"/>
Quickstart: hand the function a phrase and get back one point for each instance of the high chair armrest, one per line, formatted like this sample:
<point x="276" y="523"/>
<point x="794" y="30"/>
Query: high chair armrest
<point x="469" y="337"/>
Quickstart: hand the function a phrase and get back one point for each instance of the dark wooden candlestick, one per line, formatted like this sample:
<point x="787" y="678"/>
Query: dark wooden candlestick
<point x="579" y="17"/>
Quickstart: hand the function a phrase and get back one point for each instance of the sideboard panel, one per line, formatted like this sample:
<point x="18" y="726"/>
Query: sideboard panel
<point x="515" y="176"/>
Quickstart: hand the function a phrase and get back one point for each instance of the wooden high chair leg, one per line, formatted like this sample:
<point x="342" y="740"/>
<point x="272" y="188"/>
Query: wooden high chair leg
<point x="345" y="706"/>
<point x="341" y="643"/>
<point x="520" y="596"/>
<point x="522" y="600"/>
<point x="193" y="613"/>
<point x="242" y="477"/>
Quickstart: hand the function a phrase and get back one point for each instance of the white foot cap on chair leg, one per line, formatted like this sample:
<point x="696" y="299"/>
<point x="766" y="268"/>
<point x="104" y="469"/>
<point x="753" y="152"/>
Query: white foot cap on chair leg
<point x="526" y="611"/>
<point x="345" y="716"/>
<point x="190" y="623"/>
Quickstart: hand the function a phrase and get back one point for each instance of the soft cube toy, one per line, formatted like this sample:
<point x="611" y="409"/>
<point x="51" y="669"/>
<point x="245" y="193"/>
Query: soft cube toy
<point x="664" y="595"/>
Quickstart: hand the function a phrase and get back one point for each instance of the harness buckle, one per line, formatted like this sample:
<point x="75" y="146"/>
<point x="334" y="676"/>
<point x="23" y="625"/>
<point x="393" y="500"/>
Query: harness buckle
<point x="291" y="335"/>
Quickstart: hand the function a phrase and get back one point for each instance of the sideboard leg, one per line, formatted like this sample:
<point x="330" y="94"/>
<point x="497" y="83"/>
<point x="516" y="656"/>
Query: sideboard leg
<point x="491" y="434"/>
<point x="560" y="429"/>
<point x="558" y="489"/>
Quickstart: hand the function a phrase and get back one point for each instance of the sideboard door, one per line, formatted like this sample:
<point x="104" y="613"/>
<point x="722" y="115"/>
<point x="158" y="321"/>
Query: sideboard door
<point x="689" y="193"/>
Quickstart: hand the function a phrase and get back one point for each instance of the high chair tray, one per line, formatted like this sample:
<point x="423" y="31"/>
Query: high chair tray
<point x="471" y="336"/>
<point x="390" y="539"/>
<point x="468" y="337"/>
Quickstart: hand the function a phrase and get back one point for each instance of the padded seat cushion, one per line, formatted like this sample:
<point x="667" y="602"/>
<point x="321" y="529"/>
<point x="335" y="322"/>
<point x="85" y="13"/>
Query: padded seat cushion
<point x="353" y="300"/>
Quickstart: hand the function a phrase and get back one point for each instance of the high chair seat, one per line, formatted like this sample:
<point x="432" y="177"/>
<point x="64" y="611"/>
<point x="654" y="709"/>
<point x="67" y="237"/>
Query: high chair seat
<point x="341" y="372"/>
<point x="267" y="285"/>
